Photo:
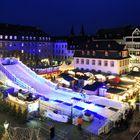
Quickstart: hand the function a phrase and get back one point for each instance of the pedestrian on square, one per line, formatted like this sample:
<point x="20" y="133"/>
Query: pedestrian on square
<point x="80" y="122"/>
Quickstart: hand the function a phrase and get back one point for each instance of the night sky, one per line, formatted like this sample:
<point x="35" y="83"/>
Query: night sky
<point x="57" y="16"/>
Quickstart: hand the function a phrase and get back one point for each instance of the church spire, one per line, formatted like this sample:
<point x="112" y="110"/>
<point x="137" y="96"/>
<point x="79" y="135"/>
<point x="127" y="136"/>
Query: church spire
<point x="72" y="31"/>
<point x="82" y="32"/>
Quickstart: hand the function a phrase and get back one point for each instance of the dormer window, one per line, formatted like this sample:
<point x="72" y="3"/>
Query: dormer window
<point x="97" y="45"/>
<point x="93" y="53"/>
<point x="88" y="52"/>
<point x="83" y="52"/>
<point x="106" y="53"/>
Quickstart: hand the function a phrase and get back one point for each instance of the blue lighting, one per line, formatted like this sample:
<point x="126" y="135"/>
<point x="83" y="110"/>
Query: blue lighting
<point x="78" y="107"/>
<point x="68" y="104"/>
<point x="58" y="101"/>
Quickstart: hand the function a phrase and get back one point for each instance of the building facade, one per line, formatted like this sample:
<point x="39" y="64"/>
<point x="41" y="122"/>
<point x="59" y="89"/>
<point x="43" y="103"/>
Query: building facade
<point x="28" y="44"/>
<point x="102" y="56"/>
<point x="61" y="51"/>
<point x="133" y="44"/>
<point x="128" y="35"/>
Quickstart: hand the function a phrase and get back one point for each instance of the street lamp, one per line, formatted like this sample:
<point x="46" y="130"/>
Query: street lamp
<point x="6" y="125"/>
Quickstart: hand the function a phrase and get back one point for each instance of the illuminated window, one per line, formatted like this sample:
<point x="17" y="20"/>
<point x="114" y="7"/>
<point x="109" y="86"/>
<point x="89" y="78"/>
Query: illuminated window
<point x="1" y="36"/>
<point x="34" y="38"/>
<point x="10" y="44"/>
<point x="30" y="37"/>
<point x="22" y="37"/>
<point x="99" y="62"/>
<point x="88" y="52"/>
<point x="83" y="52"/>
<point x="6" y="37"/>
<point x="22" y="51"/>
<point x="106" y="53"/>
<point x="46" y="38"/>
<point x="26" y="37"/>
<point x="93" y="53"/>
<point x="22" y="44"/>
<point x="112" y="63"/>
<point x="77" y="61"/>
<point x="15" y="37"/>
<point x="82" y="61"/>
<point x="87" y="61"/>
<point x="105" y="63"/>
<point x="93" y="62"/>
<point x="11" y="37"/>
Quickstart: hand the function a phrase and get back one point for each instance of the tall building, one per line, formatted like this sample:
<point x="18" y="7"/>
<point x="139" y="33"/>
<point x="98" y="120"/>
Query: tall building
<point x="128" y="35"/>
<point x="104" y="56"/>
<point x="26" y="43"/>
<point x="61" y="52"/>
<point x="133" y="44"/>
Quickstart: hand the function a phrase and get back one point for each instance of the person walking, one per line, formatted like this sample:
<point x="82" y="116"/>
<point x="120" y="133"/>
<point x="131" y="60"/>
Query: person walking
<point x="80" y="122"/>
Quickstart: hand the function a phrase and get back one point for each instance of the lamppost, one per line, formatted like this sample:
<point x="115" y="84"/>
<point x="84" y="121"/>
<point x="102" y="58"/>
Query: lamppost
<point x="6" y="125"/>
<point x="5" y="136"/>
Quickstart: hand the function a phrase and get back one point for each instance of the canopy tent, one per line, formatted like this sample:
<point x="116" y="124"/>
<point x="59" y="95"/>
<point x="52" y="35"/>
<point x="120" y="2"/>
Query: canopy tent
<point x="65" y="67"/>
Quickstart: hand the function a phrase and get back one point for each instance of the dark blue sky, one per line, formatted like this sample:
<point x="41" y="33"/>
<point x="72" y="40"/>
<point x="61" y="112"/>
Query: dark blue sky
<point x="57" y="16"/>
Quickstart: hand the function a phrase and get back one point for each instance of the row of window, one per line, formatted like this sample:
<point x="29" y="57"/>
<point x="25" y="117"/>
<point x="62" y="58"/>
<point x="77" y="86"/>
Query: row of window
<point x="2" y="44"/>
<point x="124" y="62"/>
<point x="137" y="53"/>
<point x="60" y="46"/>
<point x="63" y="51"/>
<point x="24" y="37"/>
<point x="8" y="37"/>
<point x="94" y="62"/>
<point x="135" y="46"/>
<point x="123" y="54"/>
